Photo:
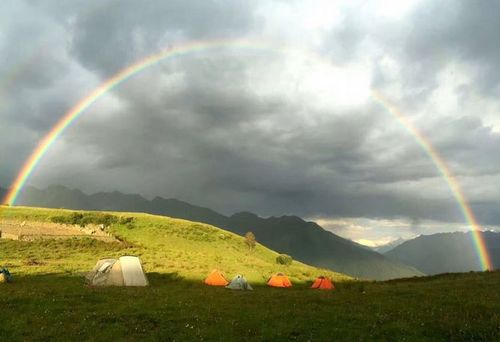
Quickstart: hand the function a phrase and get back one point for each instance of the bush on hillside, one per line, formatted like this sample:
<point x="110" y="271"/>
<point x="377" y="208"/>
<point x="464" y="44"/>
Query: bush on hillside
<point x="59" y="219"/>
<point x="105" y="219"/>
<point x="126" y="220"/>
<point x="284" y="259"/>
<point x="83" y="219"/>
<point x="73" y="218"/>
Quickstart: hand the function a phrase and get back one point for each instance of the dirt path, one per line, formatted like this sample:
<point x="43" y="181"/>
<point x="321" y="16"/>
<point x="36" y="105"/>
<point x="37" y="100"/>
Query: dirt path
<point x="29" y="230"/>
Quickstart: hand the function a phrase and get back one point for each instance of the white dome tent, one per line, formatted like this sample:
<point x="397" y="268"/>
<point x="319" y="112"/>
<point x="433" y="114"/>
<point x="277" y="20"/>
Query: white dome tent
<point x="126" y="271"/>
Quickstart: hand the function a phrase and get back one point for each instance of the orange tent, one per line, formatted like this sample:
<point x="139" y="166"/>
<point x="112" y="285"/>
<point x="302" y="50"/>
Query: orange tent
<point x="323" y="283"/>
<point x="216" y="279"/>
<point x="279" y="280"/>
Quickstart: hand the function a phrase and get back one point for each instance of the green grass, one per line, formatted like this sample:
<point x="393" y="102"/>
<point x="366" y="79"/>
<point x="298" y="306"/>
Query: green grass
<point x="49" y="301"/>
<point x="165" y="245"/>
<point x="55" y="307"/>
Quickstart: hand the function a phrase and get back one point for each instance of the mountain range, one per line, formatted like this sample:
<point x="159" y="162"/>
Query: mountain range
<point x="446" y="252"/>
<point x="388" y="246"/>
<point x="304" y="241"/>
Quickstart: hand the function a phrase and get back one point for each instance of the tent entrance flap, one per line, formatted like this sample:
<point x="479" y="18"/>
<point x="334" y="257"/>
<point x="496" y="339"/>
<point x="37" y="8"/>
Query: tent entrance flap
<point x="133" y="274"/>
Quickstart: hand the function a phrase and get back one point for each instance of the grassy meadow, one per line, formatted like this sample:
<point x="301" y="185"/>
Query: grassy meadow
<point x="48" y="300"/>
<point x="190" y="250"/>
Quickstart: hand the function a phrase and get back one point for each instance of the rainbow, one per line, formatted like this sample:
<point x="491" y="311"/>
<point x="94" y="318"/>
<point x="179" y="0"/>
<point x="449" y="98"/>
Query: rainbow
<point x="125" y="74"/>
<point x="446" y="173"/>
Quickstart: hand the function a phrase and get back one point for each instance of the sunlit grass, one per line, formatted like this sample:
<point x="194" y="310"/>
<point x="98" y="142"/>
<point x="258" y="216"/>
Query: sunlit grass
<point x="165" y="245"/>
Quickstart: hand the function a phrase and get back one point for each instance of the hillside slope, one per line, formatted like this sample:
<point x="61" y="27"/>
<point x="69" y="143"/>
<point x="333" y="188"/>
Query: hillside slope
<point x="178" y="247"/>
<point x="305" y="241"/>
<point x="446" y="252"/>
<point x="310" y="243"/>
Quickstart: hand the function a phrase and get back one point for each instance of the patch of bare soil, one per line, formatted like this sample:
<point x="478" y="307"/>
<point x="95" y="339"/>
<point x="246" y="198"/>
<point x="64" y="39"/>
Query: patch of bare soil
<point x="29" y="230"/>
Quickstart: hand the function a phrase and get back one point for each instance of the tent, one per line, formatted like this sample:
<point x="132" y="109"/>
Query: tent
<point x="239" y="283"/>
<point x="216" y="278"/>
<point x="126" y="271"/>
<point x="323" y="283"/>
<point x="279" y="280"/>
<point x="5" y="276"/>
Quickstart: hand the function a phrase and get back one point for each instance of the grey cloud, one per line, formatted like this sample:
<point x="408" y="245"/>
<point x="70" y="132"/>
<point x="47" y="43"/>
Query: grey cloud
<point x="200" y="146"/>
<point x="107" y="40"/>
<point x="435" y="34"/>
<point x="469" y="144"/>
<point x="200" y="129"/>
<point x="446" y="31"/>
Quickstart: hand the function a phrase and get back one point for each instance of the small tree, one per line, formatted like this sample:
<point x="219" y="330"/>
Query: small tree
<point x="250" y="240"/>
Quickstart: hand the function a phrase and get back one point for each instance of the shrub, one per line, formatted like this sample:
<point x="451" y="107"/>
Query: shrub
<point x="76" y="218"/>
<point x="60" y="219"/>
<point x="106" y="219"/>
<point x="83" y="219"/>
<point x="284" y="259"/>
<point x="125" y="220"/>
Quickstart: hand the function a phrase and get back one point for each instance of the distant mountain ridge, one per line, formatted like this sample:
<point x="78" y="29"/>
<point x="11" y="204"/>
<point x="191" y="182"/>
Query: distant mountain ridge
<point x="446" y="252"/>
<point x="388" y="246"/>
<point x="304" y="241"/>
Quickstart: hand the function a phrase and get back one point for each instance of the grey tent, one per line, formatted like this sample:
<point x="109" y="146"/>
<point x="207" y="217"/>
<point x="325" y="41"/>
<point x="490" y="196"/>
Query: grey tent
<point x="126" y="271"/>
<point x="239" y="283"/>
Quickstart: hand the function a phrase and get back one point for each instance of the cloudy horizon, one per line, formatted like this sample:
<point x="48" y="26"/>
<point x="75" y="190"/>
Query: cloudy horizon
<point x="284" y="131"/>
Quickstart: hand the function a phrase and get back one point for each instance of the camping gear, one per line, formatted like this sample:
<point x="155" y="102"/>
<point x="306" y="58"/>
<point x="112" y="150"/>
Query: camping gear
<point x="323" y="283"/>
<point x="239" y="283"/>
<point x="216" y="278"/>
<point x="279" y="280"/>
<point x="5" y="276"/>
<point x="126" y="271"/>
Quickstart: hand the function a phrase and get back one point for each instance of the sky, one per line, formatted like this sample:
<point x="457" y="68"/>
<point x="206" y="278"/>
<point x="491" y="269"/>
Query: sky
<point x="290" y="129"/>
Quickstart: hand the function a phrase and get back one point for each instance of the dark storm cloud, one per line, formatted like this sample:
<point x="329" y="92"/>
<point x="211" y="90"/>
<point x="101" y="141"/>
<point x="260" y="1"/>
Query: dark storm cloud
<point x="470" y="34"/>
<point x="199" y="145"/>
<point x="446" y="31"/>
<point x="40" y="80"/>
<point x="117" y="34"/>
<point x="32" y="64"/>
<point x="469" y="143"/>
<point x="221" y="130"/>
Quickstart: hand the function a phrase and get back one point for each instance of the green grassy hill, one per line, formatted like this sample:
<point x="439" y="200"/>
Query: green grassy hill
<point x="181" y="248"/>
<point x="48" y="301"/>
<point x="304" y="241"/>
